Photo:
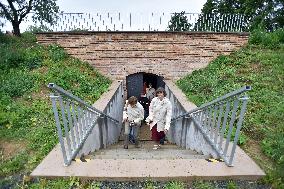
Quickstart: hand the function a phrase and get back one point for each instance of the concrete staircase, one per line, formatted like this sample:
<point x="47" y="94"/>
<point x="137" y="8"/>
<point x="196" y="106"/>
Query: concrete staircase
<point x="168" y="151"/>
<point x="168" y="163"/>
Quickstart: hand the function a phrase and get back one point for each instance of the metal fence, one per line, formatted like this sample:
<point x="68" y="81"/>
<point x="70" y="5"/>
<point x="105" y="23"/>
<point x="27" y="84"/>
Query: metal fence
<point x="151" y="21"/>
<point x="74" y="121"/>
<point x="220" y="122"/>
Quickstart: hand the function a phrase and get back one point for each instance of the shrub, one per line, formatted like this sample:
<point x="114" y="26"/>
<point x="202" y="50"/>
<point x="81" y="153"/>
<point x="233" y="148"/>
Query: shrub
<point x="269" y="40"/>
<point x="56" y="53"/>
<point x="15" y="83"/>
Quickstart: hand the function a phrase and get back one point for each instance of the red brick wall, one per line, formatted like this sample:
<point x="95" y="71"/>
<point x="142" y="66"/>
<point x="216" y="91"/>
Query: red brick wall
<point x="168" y="54"/>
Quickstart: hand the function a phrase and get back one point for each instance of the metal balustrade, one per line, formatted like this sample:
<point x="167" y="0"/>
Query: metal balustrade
<point x="149" y="21"/>
<point x="220" y="122"/>
<point x="74" y="121"/>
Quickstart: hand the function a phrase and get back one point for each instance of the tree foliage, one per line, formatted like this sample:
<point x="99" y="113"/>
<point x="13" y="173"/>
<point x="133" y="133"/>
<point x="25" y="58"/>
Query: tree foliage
<point x="179" y="22"/>
<point x="15" y="11"/>
<point x="267" y="14"/>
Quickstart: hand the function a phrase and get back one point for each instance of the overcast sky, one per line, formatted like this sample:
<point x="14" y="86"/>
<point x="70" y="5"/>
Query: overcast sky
<point x="137" y="7"/>
<point x="193" y="6"/>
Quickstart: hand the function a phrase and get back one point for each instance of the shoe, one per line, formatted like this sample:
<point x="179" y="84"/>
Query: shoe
<point x="137" y="144"/>
<point x="126" y="139"/>
<point x="157" y="146"/>
<point x="131" y="139"/>
<point x="162" y="141"/>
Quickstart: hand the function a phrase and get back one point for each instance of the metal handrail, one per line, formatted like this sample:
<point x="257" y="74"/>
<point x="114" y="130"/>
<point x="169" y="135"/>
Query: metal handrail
<point x="77" y="99"/>
<point x="216" y="121"/>
<point x="229" y="95"/>
<point x="75" y="120"/>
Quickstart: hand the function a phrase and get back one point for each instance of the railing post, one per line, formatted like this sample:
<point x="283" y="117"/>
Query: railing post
<point x="66" y="130"/>
<point x="58" y="126"/>
<point x="239" y="126"/>
<point x="71" y="126"/>
<point x="233" y="117"/>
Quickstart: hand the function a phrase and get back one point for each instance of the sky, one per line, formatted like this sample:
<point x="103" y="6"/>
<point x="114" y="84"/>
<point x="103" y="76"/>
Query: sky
<point x="145" y="14"/>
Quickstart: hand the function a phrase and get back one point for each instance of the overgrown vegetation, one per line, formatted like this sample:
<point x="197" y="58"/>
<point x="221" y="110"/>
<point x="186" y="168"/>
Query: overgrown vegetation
<point x="27" y="132"/>
<point x="261" y="65"/>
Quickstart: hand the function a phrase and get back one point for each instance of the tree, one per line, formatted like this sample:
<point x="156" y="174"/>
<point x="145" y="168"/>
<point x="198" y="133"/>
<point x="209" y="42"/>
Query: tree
<point x="268" y="14"/>
<point x="16" y="10"/>
<point x="179" y="22"/>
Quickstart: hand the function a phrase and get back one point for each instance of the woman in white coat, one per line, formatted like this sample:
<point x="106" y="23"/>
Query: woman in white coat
<point x="159" y="119"/>
<point x="133" y="114"/>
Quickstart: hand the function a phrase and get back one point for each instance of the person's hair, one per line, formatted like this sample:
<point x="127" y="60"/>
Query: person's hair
<point x="132" y="100"/>
<point x="161" y="89"/>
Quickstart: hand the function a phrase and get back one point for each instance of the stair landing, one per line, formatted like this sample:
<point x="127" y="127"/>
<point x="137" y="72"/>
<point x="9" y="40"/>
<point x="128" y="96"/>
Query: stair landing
<point x="168" y="163"/>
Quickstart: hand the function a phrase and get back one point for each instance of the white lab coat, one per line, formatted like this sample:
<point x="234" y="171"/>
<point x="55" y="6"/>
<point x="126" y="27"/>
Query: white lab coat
<point x="160" y="112"/>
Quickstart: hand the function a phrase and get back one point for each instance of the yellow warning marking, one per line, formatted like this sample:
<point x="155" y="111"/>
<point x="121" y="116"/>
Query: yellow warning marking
<point x="214" y="160"/>
<point x="78" y="160"/>
<point x="82" y="159"/>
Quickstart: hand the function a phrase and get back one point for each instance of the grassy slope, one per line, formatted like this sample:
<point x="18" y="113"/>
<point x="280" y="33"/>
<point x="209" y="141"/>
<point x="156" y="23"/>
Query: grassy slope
<point x="262" y="67"/>
<point x="27" y="131"/>
<point x="25" y="110"/>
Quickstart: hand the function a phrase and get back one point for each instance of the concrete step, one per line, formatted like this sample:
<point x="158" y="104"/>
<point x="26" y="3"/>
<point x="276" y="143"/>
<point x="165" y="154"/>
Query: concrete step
<point x="146" y="151"/>
<point x="145" y="169"/>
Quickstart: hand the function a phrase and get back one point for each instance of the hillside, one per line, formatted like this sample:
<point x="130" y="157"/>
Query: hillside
<point x="260" y="65"/>
<point x="27" y="131"/>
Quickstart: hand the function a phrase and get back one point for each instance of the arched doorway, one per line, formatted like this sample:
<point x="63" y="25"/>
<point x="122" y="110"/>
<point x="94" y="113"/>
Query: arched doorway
<point x="134" y="83"/>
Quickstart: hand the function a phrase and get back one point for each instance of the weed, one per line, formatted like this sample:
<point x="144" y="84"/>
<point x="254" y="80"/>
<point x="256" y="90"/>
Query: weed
<point x="175" y="185"/>
<point x="203" y="185"/>
<point x="231" y="185"/>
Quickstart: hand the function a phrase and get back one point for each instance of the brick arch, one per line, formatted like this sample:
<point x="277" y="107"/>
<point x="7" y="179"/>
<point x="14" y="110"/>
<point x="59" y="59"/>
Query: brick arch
<point x="169" y="54"/>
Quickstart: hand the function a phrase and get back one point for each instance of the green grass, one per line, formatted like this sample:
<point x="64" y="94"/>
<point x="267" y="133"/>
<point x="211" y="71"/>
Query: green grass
<point x="175" y="185"/>
<point x="260" y="65"/>
<point x="26" y="116"/>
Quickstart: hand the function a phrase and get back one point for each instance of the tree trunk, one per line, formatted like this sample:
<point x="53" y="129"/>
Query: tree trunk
<point x="16" y="29"/>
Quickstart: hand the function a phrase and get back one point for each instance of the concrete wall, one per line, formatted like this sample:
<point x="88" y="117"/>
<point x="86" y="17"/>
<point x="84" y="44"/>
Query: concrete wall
<point x="171" y="55"/>
<point x="106" y="132"/>
<point x="184" y="132"/>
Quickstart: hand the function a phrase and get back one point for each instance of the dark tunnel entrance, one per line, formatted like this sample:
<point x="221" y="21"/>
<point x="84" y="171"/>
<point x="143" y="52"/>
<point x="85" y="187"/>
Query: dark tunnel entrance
<point x="135" y="83"/>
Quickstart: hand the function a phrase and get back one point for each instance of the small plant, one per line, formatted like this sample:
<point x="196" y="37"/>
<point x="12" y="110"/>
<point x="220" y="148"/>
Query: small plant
<point x="231" y="185"/>
<point x="203" y="185"/>
<point x="149" y="184"/>
<point x="74" y="182"/>
<point x="175" y="185"/>
<point x="95" y="185"/>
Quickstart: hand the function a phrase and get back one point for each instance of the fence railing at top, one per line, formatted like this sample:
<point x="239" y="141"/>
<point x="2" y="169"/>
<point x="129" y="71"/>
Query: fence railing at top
<point x="74" y="121"/>
<point x="220" y="122"/>
<point x="117" y="21"/>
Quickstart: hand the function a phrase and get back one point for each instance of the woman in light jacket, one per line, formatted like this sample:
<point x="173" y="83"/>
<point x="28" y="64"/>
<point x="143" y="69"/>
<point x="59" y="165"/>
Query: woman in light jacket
<point x="133" y="114"/>
<point x="159" y="119"/>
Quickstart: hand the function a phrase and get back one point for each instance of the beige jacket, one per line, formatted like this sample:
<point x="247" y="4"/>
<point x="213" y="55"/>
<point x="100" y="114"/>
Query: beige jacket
<point x="135" y="114"/>
<point x="160" y="112"/>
